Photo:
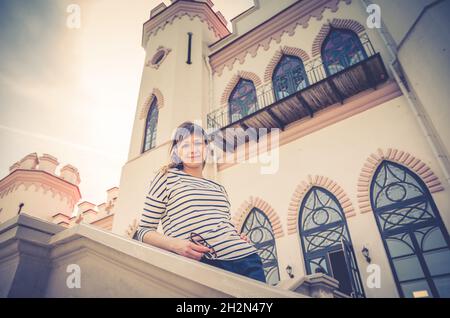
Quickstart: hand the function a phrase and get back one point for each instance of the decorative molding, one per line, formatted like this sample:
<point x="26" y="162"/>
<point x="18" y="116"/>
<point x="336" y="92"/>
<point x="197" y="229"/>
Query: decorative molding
<point x="41" y="180"/>
<point x="273" y="29"/>
<point x="62" y="215"/>
<point x="152" y="62"/>
<point x="256" y="202"/>
<point x="61" y="219"/>
<point x="348" y="24"/>
<point x="285" y="50"/>
<point x="179" y="9"/>
<point x="401" y="157"/>
<point x="235" y="80"/>
<point x="15" y="166"/>
<point x="302" y="189"/>
<point x="156" y="93"/>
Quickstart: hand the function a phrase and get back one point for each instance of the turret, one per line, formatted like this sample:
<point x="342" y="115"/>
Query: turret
<point x="33" y="187"/>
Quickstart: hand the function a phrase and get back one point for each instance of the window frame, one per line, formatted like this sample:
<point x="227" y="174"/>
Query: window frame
<point x="274" y="264"/>
<point x="409" y="229"/>
<point x="153" y="108"/>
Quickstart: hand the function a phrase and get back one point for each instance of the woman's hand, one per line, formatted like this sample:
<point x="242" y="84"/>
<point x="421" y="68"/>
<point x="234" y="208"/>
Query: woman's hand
<point x="188" y="249"/>
<point x="245" y="238"/>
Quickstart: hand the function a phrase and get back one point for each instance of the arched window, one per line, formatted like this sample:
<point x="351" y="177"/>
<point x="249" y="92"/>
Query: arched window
<point x="258" y="229"/>
<point x="289" y="76"/>
<point x="150" y="126"/>
<point x="341" y="49"/>
<point x="242" y="100"/>
<point x="326" y="241"/>
<point x="415" y="239"/>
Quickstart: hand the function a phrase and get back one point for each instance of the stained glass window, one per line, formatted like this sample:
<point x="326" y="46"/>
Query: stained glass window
<point x="341" y="49"/>
<point x="242" y="100"/>
<point x="150" y="126"/>
<point x="415" y="239"/>
<point x="258" y="229"/>
<point x="323" y="230"/>
<point x="289" y="76"/>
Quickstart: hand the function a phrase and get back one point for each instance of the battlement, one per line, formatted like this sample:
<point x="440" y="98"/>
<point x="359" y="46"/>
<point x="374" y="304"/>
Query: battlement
<point x="49" y="164"/>
<point x="161" y="15"/>
<point x="100" y="215"/>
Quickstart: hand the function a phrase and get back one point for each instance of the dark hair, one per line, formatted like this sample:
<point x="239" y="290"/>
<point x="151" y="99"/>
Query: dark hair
<point x="183" y="131"/>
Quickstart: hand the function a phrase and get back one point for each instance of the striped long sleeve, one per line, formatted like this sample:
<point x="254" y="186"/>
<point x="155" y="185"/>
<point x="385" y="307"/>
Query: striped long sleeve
<point x="186" y="204"/>
<point x="154" y="206"/>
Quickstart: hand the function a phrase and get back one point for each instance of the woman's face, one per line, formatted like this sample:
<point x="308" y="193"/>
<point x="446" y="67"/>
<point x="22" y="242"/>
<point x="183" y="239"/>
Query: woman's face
<point x="192" y="151"/>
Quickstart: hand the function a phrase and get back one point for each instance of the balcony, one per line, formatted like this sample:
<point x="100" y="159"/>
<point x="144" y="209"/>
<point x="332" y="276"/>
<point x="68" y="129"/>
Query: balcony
<point x="271" y="111"/>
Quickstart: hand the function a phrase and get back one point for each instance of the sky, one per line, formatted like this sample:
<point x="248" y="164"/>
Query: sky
<point x="72" y="92"/>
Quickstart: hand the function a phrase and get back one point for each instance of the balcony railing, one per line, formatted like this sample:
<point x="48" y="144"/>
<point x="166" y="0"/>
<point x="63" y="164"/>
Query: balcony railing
<point x="271" y="111"/>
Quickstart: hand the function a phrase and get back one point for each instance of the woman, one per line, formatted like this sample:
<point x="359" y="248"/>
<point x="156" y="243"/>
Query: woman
<point x="194" y="211"/>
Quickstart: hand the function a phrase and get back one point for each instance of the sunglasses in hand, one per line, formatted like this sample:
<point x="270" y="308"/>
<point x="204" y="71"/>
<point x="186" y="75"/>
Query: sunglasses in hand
<point x="199" y="240"/>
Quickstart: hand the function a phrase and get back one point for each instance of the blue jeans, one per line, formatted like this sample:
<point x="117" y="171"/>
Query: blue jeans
<point x="249" y="266"/>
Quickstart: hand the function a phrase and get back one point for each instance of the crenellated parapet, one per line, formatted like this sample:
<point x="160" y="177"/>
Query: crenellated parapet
<point x="39" y="174"/>
<point x="101" y="215"/>
<point x="163" y="15"/>
<point x="47" y="163"/>
<point x="70" y="174"/>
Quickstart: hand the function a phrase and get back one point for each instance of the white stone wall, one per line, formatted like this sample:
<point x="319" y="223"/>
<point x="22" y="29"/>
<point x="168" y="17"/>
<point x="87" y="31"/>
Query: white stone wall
<point x="184" y="87"/>
<point x="338" y="151"/>
<point x="185" y="91"/>
<point x="425" y="58"/>
<point x="38" y="202"/>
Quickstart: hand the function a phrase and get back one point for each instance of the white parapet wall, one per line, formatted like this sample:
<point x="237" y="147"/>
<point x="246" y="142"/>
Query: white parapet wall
<point x="41" y="259"/>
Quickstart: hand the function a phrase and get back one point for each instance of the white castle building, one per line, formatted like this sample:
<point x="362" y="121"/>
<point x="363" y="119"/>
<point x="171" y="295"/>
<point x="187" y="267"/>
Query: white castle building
<point x="329" y="130"/>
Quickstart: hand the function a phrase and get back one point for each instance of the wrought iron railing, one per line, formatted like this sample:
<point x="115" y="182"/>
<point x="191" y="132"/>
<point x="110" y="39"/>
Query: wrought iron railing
<point x="266" y="95"/>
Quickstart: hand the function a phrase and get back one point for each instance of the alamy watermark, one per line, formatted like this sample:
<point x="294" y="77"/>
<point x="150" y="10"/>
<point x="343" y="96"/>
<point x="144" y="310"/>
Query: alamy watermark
<point x="73" y="20"/>
<point x="374" y="278"/>
<point x="374" y="19"/>
<point x="74" y="278"/>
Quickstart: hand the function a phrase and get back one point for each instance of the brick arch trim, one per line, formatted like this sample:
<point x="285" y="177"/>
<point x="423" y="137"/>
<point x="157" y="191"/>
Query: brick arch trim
<point x="285" y="50"/>
<point x="151" y="62"/>
<point x="348" y="24"/>
<point x="233" y="82"/>
<point x="156" y="93"/>
<point x="401" y="157"/>
<point x="256" y="202"/>
<point x="303" y="188"/>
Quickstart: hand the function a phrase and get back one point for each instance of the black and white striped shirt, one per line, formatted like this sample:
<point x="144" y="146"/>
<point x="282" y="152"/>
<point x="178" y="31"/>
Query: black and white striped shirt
<point x="183" y="204"/>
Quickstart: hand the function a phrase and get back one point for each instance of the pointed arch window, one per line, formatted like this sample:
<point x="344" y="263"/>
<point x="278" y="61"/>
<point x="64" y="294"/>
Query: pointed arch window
<point x="259" y="230"/>
<point x="341" y="49"/>
<point x="289" y="76"/>
<point x="326" y="241"/>
<point x="242" y="101"/>
<point x="414" y="236"/>
<point x="151" y="126"/>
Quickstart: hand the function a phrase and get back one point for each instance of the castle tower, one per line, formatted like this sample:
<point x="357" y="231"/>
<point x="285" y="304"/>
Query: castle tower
<point x="175" y="87"/>
<point x="34" y="187"/>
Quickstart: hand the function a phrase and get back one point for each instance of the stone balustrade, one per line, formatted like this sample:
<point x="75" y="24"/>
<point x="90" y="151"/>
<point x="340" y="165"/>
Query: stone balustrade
<point x="37" y="259"/>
